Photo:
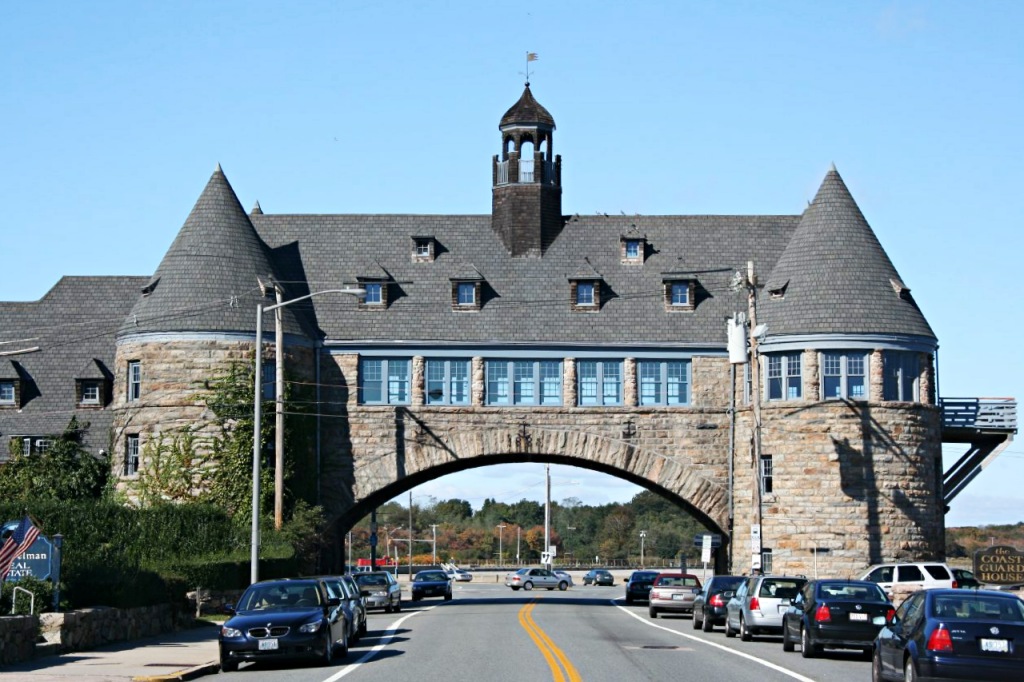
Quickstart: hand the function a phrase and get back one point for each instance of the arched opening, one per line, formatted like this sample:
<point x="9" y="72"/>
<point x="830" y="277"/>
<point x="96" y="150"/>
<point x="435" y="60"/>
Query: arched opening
<point x="526" y="153"/>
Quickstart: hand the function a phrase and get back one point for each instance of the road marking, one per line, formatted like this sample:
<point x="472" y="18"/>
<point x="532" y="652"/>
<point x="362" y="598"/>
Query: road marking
<point x="389" y="634"/>
<point x="546" y="646"/>
<point x="722" y="647"/>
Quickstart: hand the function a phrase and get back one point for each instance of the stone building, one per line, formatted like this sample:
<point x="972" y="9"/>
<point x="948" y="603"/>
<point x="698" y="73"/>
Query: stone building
<point x="537" y="334"/>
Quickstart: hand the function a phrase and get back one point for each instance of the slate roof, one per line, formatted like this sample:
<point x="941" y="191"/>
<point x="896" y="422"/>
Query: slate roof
<point x="527" y="111"/>
<point x="207" y="280"/>
<point x="73" y="325"/>
<point x="524" y="300"/>
<point x="835" y="277"/>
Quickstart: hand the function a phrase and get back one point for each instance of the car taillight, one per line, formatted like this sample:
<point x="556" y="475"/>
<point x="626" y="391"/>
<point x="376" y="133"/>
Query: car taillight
<point x="955" y="584"/>
<point x="940" y="640"/>
<point x="889" y="614"/>
<point x="717" y="601"/>
<point x="755" y="605"/>
<point x="822" y="614"/>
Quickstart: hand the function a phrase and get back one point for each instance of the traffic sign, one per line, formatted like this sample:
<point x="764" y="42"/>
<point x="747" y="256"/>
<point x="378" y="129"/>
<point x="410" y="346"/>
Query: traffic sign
<point x="373" y="539"/>
<point x="716" y="540"/>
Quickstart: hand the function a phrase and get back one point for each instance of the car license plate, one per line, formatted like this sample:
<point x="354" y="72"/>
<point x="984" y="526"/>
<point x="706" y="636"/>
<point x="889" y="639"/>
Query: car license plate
<point x="997" y="645"/>
<point x="268" y="644"/>
<point x="678" y="596"/>
<point x="859" y="616"/>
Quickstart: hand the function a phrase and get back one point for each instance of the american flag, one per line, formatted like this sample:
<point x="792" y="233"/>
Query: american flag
<point x="20" y="540"/>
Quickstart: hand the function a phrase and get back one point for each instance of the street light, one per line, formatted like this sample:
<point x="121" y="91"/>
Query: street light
<point x="643" y="534"/>
<point x="501" y="527"/>
<point x="257" y="415"/>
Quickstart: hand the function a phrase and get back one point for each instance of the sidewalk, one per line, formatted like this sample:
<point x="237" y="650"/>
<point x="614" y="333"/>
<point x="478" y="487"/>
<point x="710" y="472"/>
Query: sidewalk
<point x="181" y="655"/>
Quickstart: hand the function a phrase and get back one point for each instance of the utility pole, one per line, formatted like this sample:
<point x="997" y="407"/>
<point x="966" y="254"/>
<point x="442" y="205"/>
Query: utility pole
<point x="519" y="539"/>
<point x="501" y="527"/>
<point x="755" y="398"/>
<point x="433" y="551"/>
<point x="547" y="515"/>
<point x="643" y="535"/>
<point x="279" y="408"/>
<point x="410" y="536"/>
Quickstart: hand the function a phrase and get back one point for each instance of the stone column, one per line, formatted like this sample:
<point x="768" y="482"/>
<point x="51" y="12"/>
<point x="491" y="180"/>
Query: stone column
<point x="477" y="381"/>
<point x="926" y="379"/>
<point x="629" y="396"/>
<point x="812" y="375"/>
<point x="876" y="376"/>
<point x="569" y="397"/>
<point x="418" y="367"/>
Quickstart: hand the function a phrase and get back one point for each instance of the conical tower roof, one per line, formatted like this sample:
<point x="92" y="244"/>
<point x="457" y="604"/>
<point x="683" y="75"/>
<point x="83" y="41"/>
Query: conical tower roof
<point x="209" y="279"/>
<point x="835" y="278"/>
<point x="527" y="111"/>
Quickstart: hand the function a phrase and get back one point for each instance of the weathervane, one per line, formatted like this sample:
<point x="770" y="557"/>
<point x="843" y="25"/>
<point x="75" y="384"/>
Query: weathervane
<point x="530" y="57"/>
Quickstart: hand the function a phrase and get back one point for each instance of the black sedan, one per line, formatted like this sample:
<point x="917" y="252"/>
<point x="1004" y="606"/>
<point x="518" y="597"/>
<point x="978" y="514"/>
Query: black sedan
<point x="952" y="635"/>
<point x="638" y="585"/>
<point x="598" y="576"/>
<point x="431" y="583"/>
<point x="283" y="619"/>
<point x="835" y="614"/>
<point x="709" y="607"/>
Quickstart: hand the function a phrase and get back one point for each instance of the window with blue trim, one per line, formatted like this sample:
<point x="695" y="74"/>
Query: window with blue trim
<point x="664" y="382"/>
<point x="633" y="249"/>
<point x="599" y="382"/>
<point x="584" y="293"/>
<point x="680" y="293"/>
<point x="384" y="381"/>
<point x="447" y="382"/>
<point x="467" y="293"/>
<point x="374" y="293"/>
<point x="844" y="375"/>
<point x="524" y="382"/>
<point x="784" y="382"/>
<point x="901" y="370"/>
<point x="6" y="392"/>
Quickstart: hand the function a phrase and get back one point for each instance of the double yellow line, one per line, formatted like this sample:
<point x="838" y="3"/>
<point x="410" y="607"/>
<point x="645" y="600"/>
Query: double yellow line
<point x="552" y="654"/>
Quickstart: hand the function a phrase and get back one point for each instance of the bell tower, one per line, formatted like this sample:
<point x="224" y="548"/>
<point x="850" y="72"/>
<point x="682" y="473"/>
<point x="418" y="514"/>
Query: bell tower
<point x="526" y="195"/>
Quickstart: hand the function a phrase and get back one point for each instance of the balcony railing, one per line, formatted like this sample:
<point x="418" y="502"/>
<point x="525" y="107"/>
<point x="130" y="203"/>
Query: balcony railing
<point x="527" y="174"/>
<point x="979" y="414"/>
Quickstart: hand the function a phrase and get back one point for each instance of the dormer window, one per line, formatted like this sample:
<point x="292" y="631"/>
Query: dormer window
<point x="632" y="246"/>
<point x="466" y="293"/>
<point x="585" y="288"/>
<point x="584" y="293"/>
<point x="422" y="249"/>
<point x="376" y="297"/>
<point x="8" y="393"/>
<point x="679" y="295"/>
<point x="467" y="287"/>
<point x="90" y="392"/>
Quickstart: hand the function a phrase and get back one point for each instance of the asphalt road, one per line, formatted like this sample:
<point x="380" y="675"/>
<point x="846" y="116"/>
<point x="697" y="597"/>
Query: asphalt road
<point x="489" y="633"/>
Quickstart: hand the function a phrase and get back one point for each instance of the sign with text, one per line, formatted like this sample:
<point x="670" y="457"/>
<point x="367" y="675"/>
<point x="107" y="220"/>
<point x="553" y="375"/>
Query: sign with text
<point x="34" y="562"/>
<point x="1001" y="565"/>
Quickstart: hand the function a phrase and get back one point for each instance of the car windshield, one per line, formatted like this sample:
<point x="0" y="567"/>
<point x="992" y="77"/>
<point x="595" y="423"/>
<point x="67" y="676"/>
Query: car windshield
<point x="729" y="583"/>
<point x="431" y="576"/>
<point x="975" y="606"/>
<point x="279" y="596"/>
<point x="780" y="589"/>
<point x="677" y="581"/>
<point x="851" y="591"/>
<point x="639" y="577"/>
<point x="371" y="580"/>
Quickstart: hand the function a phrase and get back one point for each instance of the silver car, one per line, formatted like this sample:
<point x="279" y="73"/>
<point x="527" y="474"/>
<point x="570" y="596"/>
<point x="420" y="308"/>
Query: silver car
<point x="759" y="603"/>
<point x="529" y="578"/>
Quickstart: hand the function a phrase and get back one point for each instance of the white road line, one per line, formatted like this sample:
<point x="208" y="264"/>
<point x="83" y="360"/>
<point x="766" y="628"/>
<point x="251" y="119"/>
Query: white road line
<point x="749" y="657"/>
<point x="389" y="634"/>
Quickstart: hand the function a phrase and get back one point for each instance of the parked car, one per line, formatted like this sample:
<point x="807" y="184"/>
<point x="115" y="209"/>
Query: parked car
<point x="528" y="578"/>
<point x="965" y="579"/>
<point x="835" y="614"/>
<point x="952" y="634"/>
<point x="353" y="606"/>
<point x="380" y="590"/>
<point x="566" y="577"/>
<point x="283" y="619"/>
<point x="638" y="585"/>
<point x="431" y="583"/>
<point x="355" y="600"/>
<point x="758" y="605"/>
<point x="598" y="576"/>
<point x="672" y="592"/>
<point x="920" y="575"/>
<point x="709" y="605"/>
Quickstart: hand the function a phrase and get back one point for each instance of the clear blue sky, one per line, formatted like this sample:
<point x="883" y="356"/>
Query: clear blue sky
<point x="114" y="115"/>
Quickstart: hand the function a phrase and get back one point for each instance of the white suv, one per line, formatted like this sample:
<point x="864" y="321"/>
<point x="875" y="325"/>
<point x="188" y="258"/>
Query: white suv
<point x="911" y="575"/>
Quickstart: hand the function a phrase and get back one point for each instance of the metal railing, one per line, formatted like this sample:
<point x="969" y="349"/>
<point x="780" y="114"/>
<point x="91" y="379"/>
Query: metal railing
<point x="983" y="414"/>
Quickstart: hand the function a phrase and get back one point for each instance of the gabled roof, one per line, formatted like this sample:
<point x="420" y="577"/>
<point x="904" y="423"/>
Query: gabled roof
<point x="585" y="271"/>
<point x="208" y="281"/>
<point x="527" y="111"/>
<point x="93" y="369"/>
<point x="834" y="277"/>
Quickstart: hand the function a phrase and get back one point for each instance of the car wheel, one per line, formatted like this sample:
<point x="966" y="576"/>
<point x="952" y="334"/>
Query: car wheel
<point x="729" y="632"/>
<point x="328" y="656"/>
<point x="515" y="589"/>
<point x="876" y="667"/>
<point x="562" y="586"/>
<point x="696" y="623"/>
<point x="807" y="650"/>
<point x="744" y="632"/>
<point x="448" y="597"/>
<point x="629" y="600"/>
<point x="398" y="606"/>
<point x="362" y="627"/>
<point x="707" y="625"/>
<point x="343" y="647"/>
<point x="389" y="608"/>
<point x="787" y="643"/>
<point x="527" y="586"/>
<point x="909" y="673"/>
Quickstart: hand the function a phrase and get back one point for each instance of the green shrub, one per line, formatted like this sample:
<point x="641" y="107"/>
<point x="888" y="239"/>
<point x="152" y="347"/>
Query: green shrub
<point x="42" y="591"/>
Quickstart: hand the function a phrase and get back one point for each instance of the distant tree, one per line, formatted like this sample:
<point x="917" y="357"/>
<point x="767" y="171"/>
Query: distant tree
<point x="453" y="511"/>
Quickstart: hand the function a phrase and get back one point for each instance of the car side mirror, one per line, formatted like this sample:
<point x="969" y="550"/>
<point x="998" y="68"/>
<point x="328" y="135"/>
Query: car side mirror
<point x="229" y="609"/>
<point x="334" y="601"/>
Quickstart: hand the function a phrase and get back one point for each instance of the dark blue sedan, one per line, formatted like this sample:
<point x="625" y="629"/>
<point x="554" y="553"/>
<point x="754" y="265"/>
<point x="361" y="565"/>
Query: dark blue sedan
<point x="431" y="583"/>
<point x="283" y="619"/>
<point x="943" y="634"/>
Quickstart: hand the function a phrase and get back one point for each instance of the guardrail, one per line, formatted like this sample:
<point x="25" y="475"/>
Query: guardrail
<point x="979" y="414"/>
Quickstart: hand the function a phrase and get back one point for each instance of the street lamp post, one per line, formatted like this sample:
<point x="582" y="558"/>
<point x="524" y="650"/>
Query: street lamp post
<point x="643" y="534"/>
<point x="501" y="527"/>
<point x="257" y="416"/>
